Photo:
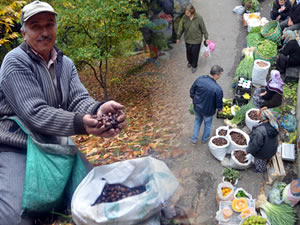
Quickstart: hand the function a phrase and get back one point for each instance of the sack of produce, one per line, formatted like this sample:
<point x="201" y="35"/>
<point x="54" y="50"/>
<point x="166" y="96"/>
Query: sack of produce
<point x="225" y="192"/>
<point x="291" y="193"/>
<point x="241" y="193"/>
<point x="225" y="213"/>
<point x="222" y="131"/>
<point x="126" y="192"/>
<point x="218" y="146"/>
<point x="275" y="195"/>
<point x="266" y="50"/>
<point x="260" y="72"/>
<point x="272" y="31"/>
<point x="238" y="140"/>
<point x="238" y="159"/>
<point x="252" y="118"/>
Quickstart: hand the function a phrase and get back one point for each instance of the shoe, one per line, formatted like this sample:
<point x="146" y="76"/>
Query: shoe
<point x="189" y="65"/>
<point x="204" y="142"/>
<point x="193" y="142"/>
<point x="194" y="70"/>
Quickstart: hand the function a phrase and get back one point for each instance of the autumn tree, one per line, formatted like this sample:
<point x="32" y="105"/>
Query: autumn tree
<point x="90" y="32"/>
<point x="10" y="12"/>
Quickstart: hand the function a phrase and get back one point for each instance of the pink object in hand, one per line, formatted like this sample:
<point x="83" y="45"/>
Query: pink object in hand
<point x="211" y="45"/>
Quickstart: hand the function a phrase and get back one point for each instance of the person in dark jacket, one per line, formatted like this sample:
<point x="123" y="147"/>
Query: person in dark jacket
<point x="290" y="54"/>
<point x="280" y="10"/>
<point x="263" y="140"/>
<point x="193" y="27"/>
<point x="271" y="97"/>
<point x="293" y="20"/>
<point x="207" y="96"/>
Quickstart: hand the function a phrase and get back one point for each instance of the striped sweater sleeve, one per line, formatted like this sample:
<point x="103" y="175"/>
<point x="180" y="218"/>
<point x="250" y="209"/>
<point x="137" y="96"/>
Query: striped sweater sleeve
<point x="30" y="95"/>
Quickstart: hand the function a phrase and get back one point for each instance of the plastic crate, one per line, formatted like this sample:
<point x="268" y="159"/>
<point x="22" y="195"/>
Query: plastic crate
<point x="240" y="101"/>
<point x="239" y="90"/>
<point x="222" y="116"/>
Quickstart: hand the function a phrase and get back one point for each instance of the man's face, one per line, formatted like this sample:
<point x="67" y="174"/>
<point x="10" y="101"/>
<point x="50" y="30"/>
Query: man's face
<point x="41" y="33"/>
<point x="281" y="2"/>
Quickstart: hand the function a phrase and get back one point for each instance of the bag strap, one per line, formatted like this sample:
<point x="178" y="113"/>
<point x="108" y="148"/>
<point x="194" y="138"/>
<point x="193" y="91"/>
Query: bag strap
<point x="54" y="148"/>
<point x="15" y="119"/>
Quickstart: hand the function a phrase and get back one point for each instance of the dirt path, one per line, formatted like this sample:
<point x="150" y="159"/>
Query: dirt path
<point x="197" y="170"/>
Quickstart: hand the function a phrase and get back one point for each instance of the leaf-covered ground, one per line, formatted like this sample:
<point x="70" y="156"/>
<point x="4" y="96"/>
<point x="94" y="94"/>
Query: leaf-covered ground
<point x="153" y="122"/>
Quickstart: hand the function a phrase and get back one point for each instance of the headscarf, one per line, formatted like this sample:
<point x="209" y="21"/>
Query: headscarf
<point x="288" y="36"/>
<point x="275" y="83"/>
<point x="266" y="114"/>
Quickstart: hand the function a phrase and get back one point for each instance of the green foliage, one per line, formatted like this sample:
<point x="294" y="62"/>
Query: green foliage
<point x="230" y="174"/>
<point x="289" y="101"/>
<point x="10" y="12"/>
<point x="91" y="32"/>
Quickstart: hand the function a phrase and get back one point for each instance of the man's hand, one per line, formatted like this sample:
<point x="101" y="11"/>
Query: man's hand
<point x="113" y="108"/>
<point x="248" y="157"/>
<point x="262" y="94"/>
<point x="290" y="22"/>
<point x="94" y="126"/>
<point x="282" y="8"/>
<point x="278" y="18"/>
<point x="177" y="41"/>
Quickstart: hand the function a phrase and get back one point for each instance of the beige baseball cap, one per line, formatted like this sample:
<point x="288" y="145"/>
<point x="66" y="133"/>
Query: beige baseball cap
<point x="34" y="8"/>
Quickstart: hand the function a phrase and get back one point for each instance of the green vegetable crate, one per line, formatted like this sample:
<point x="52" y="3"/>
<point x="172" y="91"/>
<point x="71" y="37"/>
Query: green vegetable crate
<point x="226" y="112"/>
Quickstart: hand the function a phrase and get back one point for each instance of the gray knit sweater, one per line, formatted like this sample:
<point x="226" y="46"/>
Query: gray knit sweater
<point x="27" y="91"/>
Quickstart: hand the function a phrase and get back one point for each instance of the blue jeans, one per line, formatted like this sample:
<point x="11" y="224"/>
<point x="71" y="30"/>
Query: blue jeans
<point x="207" y="126"/>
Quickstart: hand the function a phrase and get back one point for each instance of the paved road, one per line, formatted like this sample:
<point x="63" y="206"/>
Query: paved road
<point x="197" y="170"/>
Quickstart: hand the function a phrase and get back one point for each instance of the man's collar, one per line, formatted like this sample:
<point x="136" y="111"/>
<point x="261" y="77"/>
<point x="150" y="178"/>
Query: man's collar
<point x="26" y="48"/>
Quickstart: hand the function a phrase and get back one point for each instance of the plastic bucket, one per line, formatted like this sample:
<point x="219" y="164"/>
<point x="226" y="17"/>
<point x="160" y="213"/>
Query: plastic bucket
<point x="259" y="72"/>
<point x="249" y="122"/>
<point x="234" y="145"/>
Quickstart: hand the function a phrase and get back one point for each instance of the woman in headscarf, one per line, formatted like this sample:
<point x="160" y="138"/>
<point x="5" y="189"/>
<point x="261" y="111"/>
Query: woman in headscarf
<point x="263" y="140"/>
<point x="272" y="96"/>
<point x="290" y="53"/>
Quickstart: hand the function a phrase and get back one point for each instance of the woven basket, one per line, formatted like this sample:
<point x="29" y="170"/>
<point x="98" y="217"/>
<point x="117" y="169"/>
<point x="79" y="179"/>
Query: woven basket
<point x="258" y="55"/>
<point x="273" y="36"/>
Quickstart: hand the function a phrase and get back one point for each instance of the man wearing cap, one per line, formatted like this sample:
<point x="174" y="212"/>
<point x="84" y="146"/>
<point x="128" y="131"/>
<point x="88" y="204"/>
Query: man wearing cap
<point x="40" y="86"/>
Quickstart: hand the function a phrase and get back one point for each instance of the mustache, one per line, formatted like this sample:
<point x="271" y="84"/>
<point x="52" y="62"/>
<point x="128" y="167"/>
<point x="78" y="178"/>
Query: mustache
<point x="45" y="38"/>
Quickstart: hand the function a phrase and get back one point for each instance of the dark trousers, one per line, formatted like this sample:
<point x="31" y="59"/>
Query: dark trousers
<point x="192" y="54"/>
<point x="282" y="63"/>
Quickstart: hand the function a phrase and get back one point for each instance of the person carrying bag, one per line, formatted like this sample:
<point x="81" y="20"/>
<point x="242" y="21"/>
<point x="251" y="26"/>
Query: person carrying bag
<point x="53" y="171"/>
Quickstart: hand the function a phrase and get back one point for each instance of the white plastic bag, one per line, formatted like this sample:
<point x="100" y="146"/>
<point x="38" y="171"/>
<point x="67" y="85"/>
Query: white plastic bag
<point x="159" y="182"/>
<point x="239" y="9"/>
<point x="234" y="145"/>
<point x="234" y="163"/>
<point x="249" y="122"/>
<point x="219" y="152"/>
<point x="259" y="73"/>
<point x="205" y="52"/>
<point x="229" y="196"/>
